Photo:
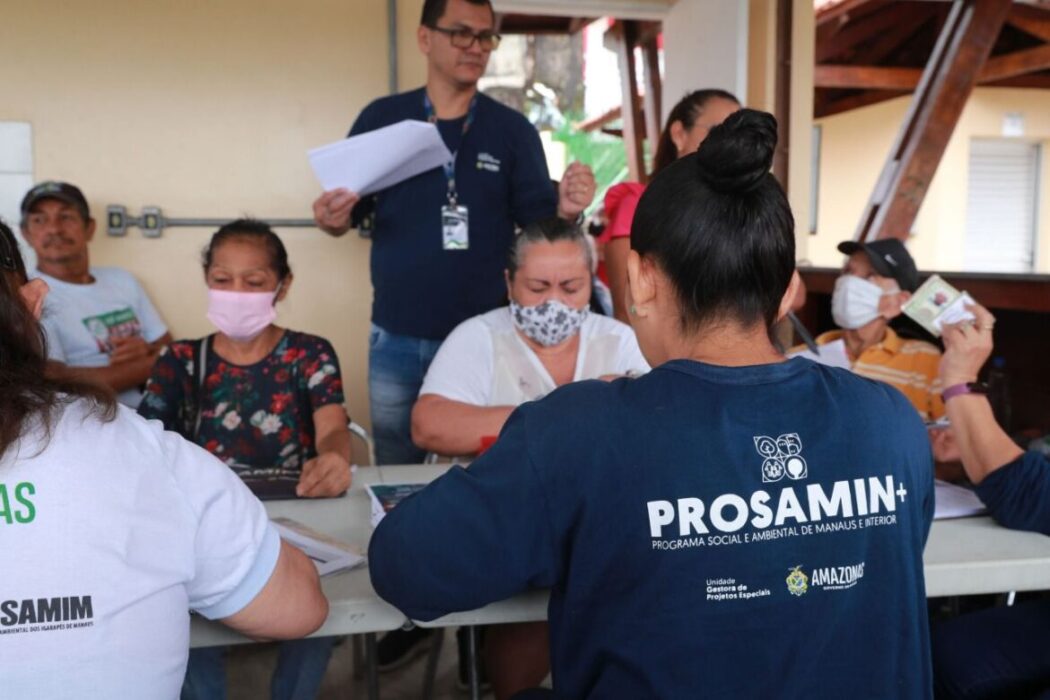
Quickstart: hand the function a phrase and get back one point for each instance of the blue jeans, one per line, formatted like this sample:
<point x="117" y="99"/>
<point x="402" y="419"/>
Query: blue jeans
<point x="396" y="367"/>
<point x="995" y="653"/>
<point x="301" y="665"/>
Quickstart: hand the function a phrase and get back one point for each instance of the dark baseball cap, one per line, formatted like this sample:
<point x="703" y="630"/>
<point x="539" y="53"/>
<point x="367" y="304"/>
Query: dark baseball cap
<point x="62" y="191"/>
<point x="890" y="258"/>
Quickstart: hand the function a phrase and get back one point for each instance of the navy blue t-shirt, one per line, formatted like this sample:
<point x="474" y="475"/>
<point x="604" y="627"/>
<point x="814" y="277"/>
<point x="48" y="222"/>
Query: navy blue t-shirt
<point x="421" y="289"/>
<point x="706" y="531"/>
<point x="1018" y="494"/>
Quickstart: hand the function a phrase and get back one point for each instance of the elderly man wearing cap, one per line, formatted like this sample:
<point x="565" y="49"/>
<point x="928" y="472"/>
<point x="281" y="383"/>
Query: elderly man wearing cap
<point x="99" y="322"/>
<point x="877" y="280"/>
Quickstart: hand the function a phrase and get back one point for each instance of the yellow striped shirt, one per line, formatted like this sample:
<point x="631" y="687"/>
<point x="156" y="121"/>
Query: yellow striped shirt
<point x="912" y="366"/>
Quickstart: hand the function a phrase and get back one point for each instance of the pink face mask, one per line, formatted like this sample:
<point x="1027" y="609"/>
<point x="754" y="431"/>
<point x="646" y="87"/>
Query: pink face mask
<point x="241" y="315"/>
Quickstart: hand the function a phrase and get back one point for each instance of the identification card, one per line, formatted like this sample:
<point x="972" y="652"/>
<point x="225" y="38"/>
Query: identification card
<point x="454" y="227"/>
<point x="935" y="303"/>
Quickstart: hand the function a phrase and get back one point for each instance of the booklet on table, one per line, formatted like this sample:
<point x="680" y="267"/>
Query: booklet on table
<point x="386" y="496"/>
<point x="328" y="554"/>
<point x="951" y="501"/>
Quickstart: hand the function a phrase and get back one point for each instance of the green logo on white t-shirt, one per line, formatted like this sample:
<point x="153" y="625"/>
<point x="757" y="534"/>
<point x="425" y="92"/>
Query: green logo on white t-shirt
<point x="122" y="323"/>
<point x="22" y="511"/>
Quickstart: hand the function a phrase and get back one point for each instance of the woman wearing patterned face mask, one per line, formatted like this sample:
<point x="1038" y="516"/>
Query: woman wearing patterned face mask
<point x="543" y="339"/>
<point x="493" y="362"/>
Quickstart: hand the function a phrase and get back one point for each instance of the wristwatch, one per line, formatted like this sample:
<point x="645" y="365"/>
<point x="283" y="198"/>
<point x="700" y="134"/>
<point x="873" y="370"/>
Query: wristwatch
<point x="964" y="388"/>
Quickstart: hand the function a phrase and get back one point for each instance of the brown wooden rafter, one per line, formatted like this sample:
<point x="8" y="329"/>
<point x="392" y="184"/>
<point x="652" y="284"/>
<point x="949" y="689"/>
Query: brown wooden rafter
<point x="950" y="75"/>
<point x="622" y="37"/>
<point x="1031" y="20"/>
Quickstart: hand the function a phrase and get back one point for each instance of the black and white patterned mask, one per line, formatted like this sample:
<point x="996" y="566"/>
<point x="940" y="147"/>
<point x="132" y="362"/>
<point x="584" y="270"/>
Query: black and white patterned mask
<point x="549" y="323"/>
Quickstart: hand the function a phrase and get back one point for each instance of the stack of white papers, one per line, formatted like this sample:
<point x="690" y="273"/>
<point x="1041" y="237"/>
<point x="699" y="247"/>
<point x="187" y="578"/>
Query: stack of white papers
<point x="832" y="354"/>
<point x="378" y="159"/>
<point x="328" y="555"/>
<point x="951" y="501"/>
<point x="386" y="496"/>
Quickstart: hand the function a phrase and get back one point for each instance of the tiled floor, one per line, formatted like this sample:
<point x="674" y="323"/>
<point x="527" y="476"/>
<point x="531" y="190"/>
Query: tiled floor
<point x="250" y="667"/>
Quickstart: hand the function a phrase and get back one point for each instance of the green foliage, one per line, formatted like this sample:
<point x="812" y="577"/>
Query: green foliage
<point x="604" y="153"/>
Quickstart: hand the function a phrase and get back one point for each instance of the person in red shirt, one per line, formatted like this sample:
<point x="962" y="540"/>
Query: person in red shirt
<point x="687" y="127"/>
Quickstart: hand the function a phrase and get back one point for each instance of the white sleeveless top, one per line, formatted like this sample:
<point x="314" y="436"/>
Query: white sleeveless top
<point x="485" y="362"/>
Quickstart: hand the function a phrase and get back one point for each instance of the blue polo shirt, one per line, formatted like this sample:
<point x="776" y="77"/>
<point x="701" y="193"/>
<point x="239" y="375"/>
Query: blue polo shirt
<point x="1018" y="494"/>
<point x="421" y="289"/>
<point x="750" y="532"/>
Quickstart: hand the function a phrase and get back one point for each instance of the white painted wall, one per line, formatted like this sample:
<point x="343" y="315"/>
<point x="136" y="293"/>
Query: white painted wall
<point x="705" y="46"/>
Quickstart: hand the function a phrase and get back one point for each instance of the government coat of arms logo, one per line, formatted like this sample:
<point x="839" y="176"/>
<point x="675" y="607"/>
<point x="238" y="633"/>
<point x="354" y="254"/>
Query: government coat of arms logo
<point x="797" y="581"/>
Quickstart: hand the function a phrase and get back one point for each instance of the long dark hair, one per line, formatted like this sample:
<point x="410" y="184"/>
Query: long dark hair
<point x="719" y="225"/>
<point x="26" y="389"/>
<point x="687" y="111"/>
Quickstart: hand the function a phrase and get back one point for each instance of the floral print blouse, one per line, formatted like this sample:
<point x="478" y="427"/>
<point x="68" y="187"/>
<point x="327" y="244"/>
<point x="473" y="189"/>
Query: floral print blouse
<point x="258" y="418"/>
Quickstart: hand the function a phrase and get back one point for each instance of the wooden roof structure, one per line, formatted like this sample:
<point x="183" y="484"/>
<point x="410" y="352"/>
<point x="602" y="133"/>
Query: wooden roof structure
<point x="868" y="51"/>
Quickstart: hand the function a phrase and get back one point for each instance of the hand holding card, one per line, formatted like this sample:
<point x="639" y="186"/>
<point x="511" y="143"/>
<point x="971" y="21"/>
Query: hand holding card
<point x="935" y="303"/>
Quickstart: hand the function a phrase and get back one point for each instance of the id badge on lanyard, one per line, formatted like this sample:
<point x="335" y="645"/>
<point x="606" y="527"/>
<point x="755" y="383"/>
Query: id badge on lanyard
<point x="455" y="226"/>
<point x="455" y="218"/>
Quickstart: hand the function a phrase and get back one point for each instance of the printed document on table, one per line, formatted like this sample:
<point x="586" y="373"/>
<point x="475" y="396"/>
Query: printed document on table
<point x="832" y="354"/>
<point x="951" y="501"/>
<point x="328" y="554"/>
<point x="375" y="160"/>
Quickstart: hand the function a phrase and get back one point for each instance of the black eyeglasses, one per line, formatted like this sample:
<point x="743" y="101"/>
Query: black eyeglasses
<point x="464" y="38"/>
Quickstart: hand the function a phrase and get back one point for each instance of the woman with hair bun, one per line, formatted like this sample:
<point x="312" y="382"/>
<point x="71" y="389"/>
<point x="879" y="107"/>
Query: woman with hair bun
<point x="731" y="524"/>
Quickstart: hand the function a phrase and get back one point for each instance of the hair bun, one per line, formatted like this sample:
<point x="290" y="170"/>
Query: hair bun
<point x="737" y="154"/>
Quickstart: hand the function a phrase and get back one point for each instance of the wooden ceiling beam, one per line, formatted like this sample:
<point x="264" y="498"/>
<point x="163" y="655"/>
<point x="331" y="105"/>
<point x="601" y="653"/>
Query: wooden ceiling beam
<point x="825" y="106"/>
<point x="845" y="10"/>
<point x="866" y="77"/>
<point x="1017" y="63"/>
<point x="1032" y="80"/>
<point x="995" y="70"/>
<point x="897" y="36"/>
<point x="1031" y="20"/>
<point x="858" y="31"/>
<point x="963" y="46"/>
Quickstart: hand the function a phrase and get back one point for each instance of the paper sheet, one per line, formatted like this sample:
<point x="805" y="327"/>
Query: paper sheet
<point x="378" y="159"/>
<point x="951" y="501"/>
<point x="832" y="354"/>
<point x="327" y="554"/>
<point x="386" y="496"/>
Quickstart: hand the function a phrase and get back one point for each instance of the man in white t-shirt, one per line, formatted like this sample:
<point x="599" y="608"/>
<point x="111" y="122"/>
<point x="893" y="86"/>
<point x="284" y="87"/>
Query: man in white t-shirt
<point x="99" y="322"/>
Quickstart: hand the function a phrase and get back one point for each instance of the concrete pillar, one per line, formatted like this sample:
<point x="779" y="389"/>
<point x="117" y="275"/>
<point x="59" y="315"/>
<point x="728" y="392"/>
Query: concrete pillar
<point x="705" y="46"/>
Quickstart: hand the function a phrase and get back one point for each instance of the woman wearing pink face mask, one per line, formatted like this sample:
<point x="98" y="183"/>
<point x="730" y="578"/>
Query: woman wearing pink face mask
<point x="264" y="400"/>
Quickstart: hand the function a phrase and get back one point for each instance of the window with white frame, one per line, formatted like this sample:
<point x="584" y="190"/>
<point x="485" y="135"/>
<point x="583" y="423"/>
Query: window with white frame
<point x="1001" y="206"/>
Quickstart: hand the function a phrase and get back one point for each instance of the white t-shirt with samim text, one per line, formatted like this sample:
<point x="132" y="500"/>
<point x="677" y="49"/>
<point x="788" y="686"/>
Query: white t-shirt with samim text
<point x="82" y="320"/>
<point x="485" y="362"/>
<point x="110" y="535"/>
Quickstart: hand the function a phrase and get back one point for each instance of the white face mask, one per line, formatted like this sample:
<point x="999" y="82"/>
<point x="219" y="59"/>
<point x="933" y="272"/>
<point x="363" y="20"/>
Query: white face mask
<point x="549" y="323"/>
<point x="855" y="301"/>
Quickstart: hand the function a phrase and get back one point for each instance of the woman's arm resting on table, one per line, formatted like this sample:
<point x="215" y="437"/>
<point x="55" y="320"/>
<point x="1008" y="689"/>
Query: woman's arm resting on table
<point x="328" y="474"/>
<point x="470" y="537"/>
<point x="453" y="428"/>
<point x="289" y="606"/>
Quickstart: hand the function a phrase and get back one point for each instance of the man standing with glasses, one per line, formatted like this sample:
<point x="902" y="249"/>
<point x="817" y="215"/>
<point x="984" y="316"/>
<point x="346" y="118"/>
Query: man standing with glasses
<point x="440" y="239"/>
